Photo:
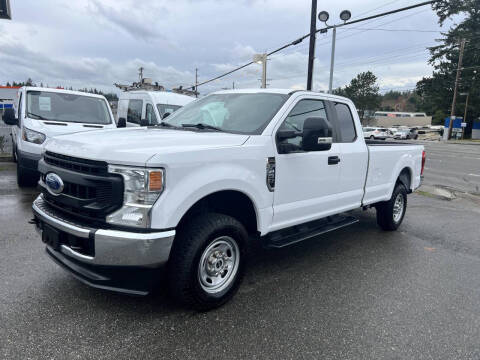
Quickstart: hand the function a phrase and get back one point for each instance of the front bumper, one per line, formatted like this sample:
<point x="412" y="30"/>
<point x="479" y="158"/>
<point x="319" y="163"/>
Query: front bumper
<point x="114" y="254"/>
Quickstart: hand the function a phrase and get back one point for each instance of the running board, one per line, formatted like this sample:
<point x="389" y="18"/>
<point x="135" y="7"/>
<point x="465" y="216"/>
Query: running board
<point x="297" y="233"/>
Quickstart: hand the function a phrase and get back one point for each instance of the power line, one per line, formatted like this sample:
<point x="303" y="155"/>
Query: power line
<point x="399" y="30"/>
<point x="326" y="28"/>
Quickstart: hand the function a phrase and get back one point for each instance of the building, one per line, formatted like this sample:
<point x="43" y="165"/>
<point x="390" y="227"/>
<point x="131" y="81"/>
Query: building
<point x="8" y="96"/>
<point x="390" y="119"/>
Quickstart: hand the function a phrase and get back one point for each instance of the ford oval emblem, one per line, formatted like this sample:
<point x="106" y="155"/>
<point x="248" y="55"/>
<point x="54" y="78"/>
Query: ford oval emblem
<point x="54" y="183"/>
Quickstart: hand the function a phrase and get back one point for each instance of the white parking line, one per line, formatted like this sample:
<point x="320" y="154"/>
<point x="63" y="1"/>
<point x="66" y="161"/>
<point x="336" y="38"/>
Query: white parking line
<point x="474" y="175"/>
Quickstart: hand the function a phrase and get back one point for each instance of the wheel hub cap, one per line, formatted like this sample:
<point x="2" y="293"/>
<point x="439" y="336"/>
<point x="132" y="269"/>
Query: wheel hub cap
<point x="398" y="208"/>
<point x="219" y="264"/>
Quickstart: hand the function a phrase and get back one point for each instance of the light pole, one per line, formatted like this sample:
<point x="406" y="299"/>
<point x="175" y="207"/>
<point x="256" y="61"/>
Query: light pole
<point x="323" y="16"/>
<point x="311" y="50"/>
<point x="262" y="60"/>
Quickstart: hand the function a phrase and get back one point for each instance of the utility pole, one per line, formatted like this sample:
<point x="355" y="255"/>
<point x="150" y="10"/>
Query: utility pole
<point x="233" y="85"/>
<point x="140" y="73"/>
<point x="457" y="79"/>
<point x="465" y="115"/>
<point x="332" y="59"/>
<point x="262" y="60"/>
<point x="311" y="51"/>
<point x="196" y="82"/>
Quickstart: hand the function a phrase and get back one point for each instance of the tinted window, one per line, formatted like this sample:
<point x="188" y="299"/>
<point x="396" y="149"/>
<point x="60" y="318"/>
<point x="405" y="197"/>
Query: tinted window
<point x="134" y="113"/>
<point x="163" y="109"/>
<point x="345" y="123"/>
<point x="150" y="115"/>
<point x="19" y="114"/>
<point x="303" y="110"/>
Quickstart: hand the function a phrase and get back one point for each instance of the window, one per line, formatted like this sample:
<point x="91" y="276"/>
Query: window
<point x="150" y="115"/>
<point x="345" y="123"/>
<point x="163" y="109"/>
<point x="134" y="113"/>
<point x="303" y="110"/>
<point x="67" y="107"/>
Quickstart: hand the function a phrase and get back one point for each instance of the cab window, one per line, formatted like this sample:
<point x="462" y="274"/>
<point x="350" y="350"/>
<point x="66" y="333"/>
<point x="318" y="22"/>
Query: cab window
<point x="150" y="115"/>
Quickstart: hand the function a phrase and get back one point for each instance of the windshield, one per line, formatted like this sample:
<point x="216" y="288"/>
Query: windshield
<point x="164" y="109"/>
<point x="233" y="112"/>
<point x="44" y="105"/>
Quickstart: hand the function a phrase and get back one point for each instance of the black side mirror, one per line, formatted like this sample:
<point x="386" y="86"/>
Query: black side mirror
<point x="144" y="122"/>
<point x="9" y="117"/>
<point x="165" y="115"/>
<point x="122" y="122"/>
<point x="317" y="134"/>
<point x="286" y="134"/>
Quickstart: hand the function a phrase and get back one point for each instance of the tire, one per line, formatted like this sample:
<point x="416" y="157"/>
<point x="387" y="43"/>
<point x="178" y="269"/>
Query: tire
<point x="14" y="153"/>
<point x="207" y="236"/>
<point x="390" y="213"/>
<point x="26" y="178"/>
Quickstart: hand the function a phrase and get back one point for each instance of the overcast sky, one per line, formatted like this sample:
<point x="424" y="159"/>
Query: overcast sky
<point x="95" y="43"/>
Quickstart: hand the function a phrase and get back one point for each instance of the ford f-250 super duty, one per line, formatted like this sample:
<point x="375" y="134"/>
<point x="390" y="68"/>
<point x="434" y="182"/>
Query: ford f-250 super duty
<point x="191" y="194"/>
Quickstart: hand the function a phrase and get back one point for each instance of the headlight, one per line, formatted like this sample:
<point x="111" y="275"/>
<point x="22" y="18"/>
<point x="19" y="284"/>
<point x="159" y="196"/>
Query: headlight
<point x="142" y="187"/>
<point x="33" y="136"/>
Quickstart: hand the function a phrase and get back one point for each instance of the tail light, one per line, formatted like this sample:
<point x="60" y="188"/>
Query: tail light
<point x="424" y="156"/>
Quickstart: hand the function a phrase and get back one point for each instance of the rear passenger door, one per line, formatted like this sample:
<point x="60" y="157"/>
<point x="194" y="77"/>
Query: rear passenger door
<point x="353" y="158"/>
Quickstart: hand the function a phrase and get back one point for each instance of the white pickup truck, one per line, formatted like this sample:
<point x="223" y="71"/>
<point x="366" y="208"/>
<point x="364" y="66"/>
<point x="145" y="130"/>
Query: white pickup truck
<point x="189" y="196"/>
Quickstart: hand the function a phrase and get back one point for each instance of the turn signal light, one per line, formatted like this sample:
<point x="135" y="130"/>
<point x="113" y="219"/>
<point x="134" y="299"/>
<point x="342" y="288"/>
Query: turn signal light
<point x="155" y="182"/>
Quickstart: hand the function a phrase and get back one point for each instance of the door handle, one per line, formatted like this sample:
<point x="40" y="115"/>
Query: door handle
<point x="333" y="160"/>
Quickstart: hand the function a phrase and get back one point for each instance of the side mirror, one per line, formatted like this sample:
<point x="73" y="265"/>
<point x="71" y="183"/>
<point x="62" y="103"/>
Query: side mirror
<point x="165" y="115"/>
<point x="144" y="122"/>
<point x="122" y="122"/>
<point x="9" y="117"/>
<point x="317" y="134"/>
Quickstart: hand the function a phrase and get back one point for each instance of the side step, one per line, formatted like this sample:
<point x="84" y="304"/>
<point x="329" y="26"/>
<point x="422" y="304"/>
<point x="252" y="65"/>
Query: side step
<point x="297" y="233"/>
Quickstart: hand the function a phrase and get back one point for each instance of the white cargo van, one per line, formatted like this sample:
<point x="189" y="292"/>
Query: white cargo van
<point x="142" y="108"/>
<point x="42" y="113"/>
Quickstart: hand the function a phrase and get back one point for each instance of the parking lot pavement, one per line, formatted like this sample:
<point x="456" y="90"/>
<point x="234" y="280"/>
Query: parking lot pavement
<point x="455" y="166"/>
<point x="357" y="293"/>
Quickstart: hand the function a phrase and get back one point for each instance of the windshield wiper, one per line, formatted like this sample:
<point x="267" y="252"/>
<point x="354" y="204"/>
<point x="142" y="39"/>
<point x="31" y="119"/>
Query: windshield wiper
<point x="40" y="117"/>
<point x="202" y="126"/>
<point x="165" y="124"/>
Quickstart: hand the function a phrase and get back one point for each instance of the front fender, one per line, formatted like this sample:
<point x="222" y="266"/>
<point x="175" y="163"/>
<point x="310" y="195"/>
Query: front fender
<point x="186" y="188"/>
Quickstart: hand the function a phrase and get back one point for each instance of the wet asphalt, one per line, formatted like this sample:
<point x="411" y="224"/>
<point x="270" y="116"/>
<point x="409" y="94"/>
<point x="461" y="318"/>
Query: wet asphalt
<point x="357" y="293"/>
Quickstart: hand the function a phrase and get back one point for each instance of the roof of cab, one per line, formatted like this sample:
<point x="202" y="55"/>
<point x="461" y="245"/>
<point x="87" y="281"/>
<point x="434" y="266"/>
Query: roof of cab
<point x="282" y="91"/>
<point x="63" y="91"/>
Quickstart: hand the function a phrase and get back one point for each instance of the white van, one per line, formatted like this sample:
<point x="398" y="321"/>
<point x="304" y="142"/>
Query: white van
<point x="42" y="113"/>
<point x="142" y="108"/>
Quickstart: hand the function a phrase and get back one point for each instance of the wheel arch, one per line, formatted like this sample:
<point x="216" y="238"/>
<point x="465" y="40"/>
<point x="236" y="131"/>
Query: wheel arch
<point x="405" y="177"/>
<point x="234" y="203"/>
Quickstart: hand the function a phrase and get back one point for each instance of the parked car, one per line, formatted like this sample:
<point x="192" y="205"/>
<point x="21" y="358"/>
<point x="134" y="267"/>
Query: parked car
<point x="42" y="113"/>
<point x="375" y="133"/>
<point x="279" y="167"/>
<point x="403" y="134"/>
<point x="142" y="108"/>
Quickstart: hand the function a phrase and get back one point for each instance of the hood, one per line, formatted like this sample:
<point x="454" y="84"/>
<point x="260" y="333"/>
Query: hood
<point x="134" y="146"/>
<point x="54" y="128"/>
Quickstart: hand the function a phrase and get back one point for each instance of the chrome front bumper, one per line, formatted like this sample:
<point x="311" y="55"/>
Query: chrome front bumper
<point x="112" y="247"/>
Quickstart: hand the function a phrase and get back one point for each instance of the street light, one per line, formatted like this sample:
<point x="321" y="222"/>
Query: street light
<point x="262" y="60"/>
<point x="323" y="16"/>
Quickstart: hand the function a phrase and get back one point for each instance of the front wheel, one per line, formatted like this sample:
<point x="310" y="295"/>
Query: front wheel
<point x="207" y="261"/>
<point x="25" y="177"/>
<point x="390" y="213"/>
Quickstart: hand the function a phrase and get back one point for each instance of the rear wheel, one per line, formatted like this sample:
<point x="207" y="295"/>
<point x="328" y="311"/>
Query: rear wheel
<point x="390" y="213"/>
<point x="207" y="261"/>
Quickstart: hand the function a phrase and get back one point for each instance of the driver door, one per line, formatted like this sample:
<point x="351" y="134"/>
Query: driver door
<point x="306" y="182"/>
